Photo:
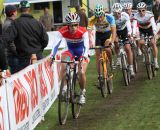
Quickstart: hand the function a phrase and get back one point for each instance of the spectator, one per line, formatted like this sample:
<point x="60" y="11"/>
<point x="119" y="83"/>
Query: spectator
<point x="83" y="16"/>
<point x="11" y="14"/>
<point x="3" y="61"/>
<point x="47" y="20"/>
<point x="156" y="10"/>
<point x="29" y="36"/>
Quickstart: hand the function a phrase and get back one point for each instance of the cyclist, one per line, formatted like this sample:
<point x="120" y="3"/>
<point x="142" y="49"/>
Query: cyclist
<point x="147" y="25"/>
<point x="128" y="9"/>
<point x="104" y="24"/>
<point x="124" y="31"/>
<point x="77" y="41"/>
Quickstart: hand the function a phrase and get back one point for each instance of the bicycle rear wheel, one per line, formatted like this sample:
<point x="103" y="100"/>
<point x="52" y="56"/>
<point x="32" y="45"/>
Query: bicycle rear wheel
<point x="125" y="70"/>
<point x="76" y="107"/>
<point x="103" y="81"/>
<point x="147" y="55"/>
<point x="63" y="102"/>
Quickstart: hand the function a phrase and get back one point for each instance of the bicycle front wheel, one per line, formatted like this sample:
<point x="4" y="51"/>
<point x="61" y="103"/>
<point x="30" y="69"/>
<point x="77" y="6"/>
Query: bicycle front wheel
<point x="76" y="107"/>
<point x="64" y="98"/>
<point x="125" y="70"/>
<point x="147" y="55"/>
<point x="103" y="81"/>
<point x="110" y="79"/>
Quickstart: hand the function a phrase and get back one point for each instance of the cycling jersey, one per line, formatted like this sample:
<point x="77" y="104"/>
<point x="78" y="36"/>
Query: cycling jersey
<point x="123" y="22"/>
<point x="145" y="22"/>
<point x="77" y="43"/>
<point x="136" y="30"/>
<point x="102" y="26"/>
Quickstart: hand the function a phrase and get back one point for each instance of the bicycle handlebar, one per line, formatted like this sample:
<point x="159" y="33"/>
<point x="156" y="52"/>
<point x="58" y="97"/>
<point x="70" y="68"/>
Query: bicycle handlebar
<point x="66" y="61"/>
<point x="100" y="47"/>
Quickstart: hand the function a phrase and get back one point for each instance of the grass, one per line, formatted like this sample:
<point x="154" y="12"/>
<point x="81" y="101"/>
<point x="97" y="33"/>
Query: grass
<point x="129" y="108"/>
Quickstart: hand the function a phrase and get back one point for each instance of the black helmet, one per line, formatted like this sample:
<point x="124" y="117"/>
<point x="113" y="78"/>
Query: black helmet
<point x="10" y="9"/>
<point x="24" y="4"/>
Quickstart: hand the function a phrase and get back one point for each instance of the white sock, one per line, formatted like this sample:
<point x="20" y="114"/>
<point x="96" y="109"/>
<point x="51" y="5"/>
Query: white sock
<point x="131" y="67"/>
<point x="83" y="91"/>
<point x="155" y="61"/>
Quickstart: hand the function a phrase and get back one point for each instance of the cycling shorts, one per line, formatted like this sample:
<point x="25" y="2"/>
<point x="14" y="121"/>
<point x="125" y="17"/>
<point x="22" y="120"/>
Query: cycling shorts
<point x="71" y="54"/>
<point x="101" y="37"/>
<point x="123" y="34"/>
<point x="148" y="31"/>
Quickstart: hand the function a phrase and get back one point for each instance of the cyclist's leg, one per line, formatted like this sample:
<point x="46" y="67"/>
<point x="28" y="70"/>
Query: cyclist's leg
<point x="66" y="55"/>
<point x="155" y="52"/>
<point x="108" y="51"/>
<point x="130" y="58"/>
<point x="82" y="67"/>
<point x="100" y="39"/>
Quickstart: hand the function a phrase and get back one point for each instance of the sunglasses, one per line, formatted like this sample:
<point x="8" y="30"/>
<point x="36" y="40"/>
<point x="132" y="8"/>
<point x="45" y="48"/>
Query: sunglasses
<point x="117" y="13"/>
<point x="73" y="25"/>
<point x="143" y="10"/>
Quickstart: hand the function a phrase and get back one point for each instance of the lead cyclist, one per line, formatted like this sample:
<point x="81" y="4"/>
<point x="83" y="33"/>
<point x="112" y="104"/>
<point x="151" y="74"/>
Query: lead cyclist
<point x="77" y="41"/>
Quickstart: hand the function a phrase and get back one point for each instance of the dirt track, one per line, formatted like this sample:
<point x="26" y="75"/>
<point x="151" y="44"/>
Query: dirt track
<point x="106" y="108"/>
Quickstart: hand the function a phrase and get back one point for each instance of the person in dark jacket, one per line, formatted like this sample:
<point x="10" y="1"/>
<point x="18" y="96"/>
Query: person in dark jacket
<point x="156" y="10"/>
<point x="29" y="36"/>
<point x="11" y="53"/>
<point x="83" y="16"/>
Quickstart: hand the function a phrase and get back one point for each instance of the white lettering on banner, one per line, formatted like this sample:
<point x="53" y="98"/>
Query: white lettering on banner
<point x="21" y="101"/>
<point x="43" y="85"/>
<point x="32" y="81"/>
<point x="25" y="126"/>
<point x="49" y="72"/>
<point x="45" y="103"/>
<point x="1" y="117"/>
<point x="36" y="115"/>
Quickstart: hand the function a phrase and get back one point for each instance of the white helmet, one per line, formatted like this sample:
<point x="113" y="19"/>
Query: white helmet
<point x="72" y="18"/>
<point x="141" y="5"/>
<point x="117" y="7"/>
<point x="127" y="6"/>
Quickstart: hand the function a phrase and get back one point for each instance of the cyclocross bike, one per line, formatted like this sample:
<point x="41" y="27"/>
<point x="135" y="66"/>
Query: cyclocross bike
<point x="124" y="63"/>
<point x="69" y="91"/>
<point x="149" y="59"/>
<point x="106" y="78"/>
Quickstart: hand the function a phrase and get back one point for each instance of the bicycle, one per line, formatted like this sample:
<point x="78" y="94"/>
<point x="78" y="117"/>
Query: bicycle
<point x="105" y="80"/>
<point x="69" y="92"/>
<point x="149" y="59"/>
<point x="124" y="63"/>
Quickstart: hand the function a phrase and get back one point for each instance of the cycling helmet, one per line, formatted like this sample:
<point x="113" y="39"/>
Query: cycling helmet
<point x="117" y="7"/>
<point x="24" y="4"/>
<point x="99" y="10"/>
<point x="141" y="5"/>
<point x="72" y="18"/>
<point x="127" y="6"/>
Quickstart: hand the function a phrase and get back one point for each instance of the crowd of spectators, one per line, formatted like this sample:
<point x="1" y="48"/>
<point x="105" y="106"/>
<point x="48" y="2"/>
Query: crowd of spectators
<point x="23" y="39"/>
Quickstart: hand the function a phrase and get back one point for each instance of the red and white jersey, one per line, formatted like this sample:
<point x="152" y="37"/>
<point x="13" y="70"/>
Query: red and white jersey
<point x="145" y="22"/>
<point x="79" y="40"/>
